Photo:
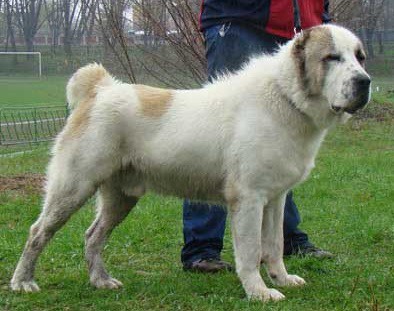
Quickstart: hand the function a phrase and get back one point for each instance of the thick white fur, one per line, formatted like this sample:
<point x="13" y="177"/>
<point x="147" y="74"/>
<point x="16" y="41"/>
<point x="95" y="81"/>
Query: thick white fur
<point x="243" y="141"/>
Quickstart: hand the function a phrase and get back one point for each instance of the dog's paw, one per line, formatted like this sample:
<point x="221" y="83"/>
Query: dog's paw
<point x="107" y="283"/>
<point x="24" y="286"/>
<point x="268" y="294"/>
<point x="272" y="294"/>
<point x="289" y="280"/>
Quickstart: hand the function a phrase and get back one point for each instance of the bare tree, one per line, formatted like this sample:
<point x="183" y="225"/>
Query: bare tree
<point x="90" y="22"/>
<point x="144" y="12"/>
<point x="8" y="4"/>
<point x="87" y="19"/>
<point x="54" y="18"/>
<point x="180" y="62"/>
<point x="72" y="19"/>
<point x="27" y="14"/>
<point x="111" y="19"/>
<point x="386" y="22"/>
<point x="364" y="16"/>
<point x="172" y="52"/>
<point x="372" y="11"/>
<point x="189" y="43"/>
<point x="71" y="15"/>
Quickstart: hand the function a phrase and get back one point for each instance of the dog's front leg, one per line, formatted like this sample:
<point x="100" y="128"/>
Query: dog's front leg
<point x="246" y="219"/>
<point x="272" y="244"/>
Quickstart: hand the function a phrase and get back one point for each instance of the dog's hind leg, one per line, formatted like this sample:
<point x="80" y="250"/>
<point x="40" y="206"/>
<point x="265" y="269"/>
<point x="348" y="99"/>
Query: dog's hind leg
<point x="112" y="208"/>
<point x="63" y="198"/>
<point x="247" y="216"/>
<point x="272" y="244"/>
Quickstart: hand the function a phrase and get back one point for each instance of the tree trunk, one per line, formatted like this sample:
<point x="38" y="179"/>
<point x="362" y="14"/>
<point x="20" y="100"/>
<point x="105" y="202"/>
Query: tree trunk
<point x="369" y="36"/>
<point x="10" y="31"/>
<point x="380" y="42"/>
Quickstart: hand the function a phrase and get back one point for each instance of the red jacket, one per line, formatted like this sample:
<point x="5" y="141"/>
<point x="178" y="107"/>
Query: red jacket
<point x="273" y="16"/>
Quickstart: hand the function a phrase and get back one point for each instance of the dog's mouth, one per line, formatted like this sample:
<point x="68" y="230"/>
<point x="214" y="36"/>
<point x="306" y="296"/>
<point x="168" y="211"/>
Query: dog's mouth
<point x="358" y="103"/>
<point x="337" y="109"/>
<point x="350" y="110"/>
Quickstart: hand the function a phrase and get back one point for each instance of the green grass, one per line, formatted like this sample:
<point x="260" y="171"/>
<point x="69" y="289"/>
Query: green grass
<point x="384" y="84"/>
<point x="346" y="207"/>
<point x="22" y="92"/>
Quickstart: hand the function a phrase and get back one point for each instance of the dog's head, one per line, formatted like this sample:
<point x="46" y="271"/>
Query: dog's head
<point x="329" y="61"/>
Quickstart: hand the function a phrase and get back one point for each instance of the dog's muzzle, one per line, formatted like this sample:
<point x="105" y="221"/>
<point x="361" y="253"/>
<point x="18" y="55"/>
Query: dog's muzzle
<point x="361" y="94"/>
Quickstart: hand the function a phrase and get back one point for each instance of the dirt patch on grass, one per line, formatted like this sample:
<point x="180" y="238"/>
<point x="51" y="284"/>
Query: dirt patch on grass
<point x="377" y="111"/>
<point x="22" y="184"/>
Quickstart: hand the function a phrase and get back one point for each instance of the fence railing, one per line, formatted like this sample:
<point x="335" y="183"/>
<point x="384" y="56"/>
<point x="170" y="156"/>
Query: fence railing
<point x="26" y="125"/>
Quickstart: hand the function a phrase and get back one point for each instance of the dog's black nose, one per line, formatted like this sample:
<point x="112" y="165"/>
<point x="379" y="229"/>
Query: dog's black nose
<point x="362" y="81"/>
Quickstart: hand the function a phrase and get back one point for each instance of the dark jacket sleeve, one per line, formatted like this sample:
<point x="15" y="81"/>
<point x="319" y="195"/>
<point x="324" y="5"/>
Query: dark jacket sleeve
<point x="326" y="18"/>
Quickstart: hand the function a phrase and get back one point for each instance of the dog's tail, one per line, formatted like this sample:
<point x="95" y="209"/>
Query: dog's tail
<point x="84" y="83"/>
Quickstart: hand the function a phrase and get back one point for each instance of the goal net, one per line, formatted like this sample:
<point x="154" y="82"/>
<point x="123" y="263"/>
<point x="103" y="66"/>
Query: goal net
<point x="20" y="64"/>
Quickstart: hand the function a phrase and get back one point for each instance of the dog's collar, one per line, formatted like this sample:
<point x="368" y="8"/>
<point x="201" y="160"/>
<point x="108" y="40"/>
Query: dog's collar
<point x="294" y="106"/>
<point x="290" y="102"/>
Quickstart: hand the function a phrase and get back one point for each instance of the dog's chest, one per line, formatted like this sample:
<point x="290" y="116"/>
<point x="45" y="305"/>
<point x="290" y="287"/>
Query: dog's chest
<point x="307" y="168"/>
<point x="295" y="171"/>
<point x="296" y="165"/>
<point x="305" y="159"/>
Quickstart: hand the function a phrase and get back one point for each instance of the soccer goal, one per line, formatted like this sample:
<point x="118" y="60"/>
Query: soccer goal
<point x="28" y="64"/>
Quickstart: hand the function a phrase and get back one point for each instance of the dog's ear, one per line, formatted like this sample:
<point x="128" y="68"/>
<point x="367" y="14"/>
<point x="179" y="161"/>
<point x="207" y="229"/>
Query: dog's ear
<point x="309" y="46"/>
<point x="301" y="39"/>
<point x="299" y="54"/>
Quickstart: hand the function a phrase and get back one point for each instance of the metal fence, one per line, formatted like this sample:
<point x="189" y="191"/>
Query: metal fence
<point x="26" y="125"/>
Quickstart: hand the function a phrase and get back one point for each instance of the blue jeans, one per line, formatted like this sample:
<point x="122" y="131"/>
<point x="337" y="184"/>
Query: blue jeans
<point x="228" y="46"/>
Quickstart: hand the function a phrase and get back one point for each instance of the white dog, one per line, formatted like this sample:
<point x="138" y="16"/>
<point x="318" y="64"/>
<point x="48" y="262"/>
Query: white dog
<point x="243" y="141"/>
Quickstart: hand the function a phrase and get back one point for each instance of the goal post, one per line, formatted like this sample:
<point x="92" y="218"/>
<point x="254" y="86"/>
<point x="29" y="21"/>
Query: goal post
<point x="28" y="53"/>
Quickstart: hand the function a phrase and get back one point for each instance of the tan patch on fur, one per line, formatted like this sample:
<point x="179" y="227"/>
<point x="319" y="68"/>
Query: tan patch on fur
<point x="154" y="102"/>
<point x="322" y="37"/>
<point x="90" y="82"/>
<point x="78" y="120"/>
<point x="317" y="70"/>
<point x="308" y="51"/>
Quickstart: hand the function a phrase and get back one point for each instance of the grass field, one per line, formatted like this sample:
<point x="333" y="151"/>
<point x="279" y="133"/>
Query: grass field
<point x="346" y="205"/>
<point x="20" y="92"/>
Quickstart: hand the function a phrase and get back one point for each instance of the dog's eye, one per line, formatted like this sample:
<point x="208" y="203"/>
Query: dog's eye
<point x="360" y="56"/>
<point x="332" y="58"/>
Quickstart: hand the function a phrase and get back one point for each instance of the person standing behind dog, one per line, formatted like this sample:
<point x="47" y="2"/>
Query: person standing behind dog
<point x="235" y="30"/>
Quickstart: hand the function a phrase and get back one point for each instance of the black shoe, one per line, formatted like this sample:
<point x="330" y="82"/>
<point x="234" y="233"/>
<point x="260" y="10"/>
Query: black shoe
<point x="309" y="250"/>
<point x="210" y="265"/>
